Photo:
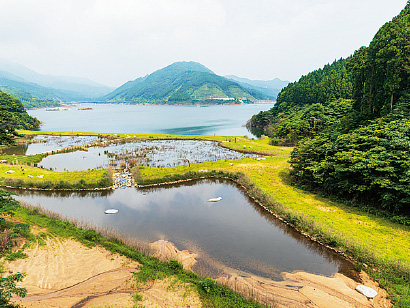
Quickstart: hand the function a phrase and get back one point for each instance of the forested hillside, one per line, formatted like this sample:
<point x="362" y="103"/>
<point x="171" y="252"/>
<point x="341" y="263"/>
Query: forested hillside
<point x="306" y="107"/>
<point x="369" y="163"/>
<point x="13" y="116"/>
<point x="351" y="123"/>
<point x="28" y="100"/>
<point x="182" y="83"/>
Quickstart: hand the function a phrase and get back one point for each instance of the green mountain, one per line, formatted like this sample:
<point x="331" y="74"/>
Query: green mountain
<point x="270" y="88"/>
<point x="182" y="83"/>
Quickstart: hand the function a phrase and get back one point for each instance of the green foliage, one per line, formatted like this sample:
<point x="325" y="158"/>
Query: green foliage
<point x="90" y="235"/>
<point x="28" y="100"/>
<point x="308" y="106"/>
<point x="320" y="86"/>
<point x="370" y="164"/>
<point x="7" y="204"/>
<point x="8" y="288"/>
<point x="20" y="119"/>
<point x="7" y="127"/>
<point x="137" y="297"/>
<point x="307" y="121"/>
<point x="22" y="229"/>
<point x="13" y="256"/>
<point x="380" y="72"/>
<point x="208" y="285"/>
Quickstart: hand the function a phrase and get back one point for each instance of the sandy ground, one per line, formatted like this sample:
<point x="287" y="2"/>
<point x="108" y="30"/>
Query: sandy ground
<point x="299" y="289"/>
<point x="68" y="274"/>
<point x="166" y="251"/>
<point x="65" y="273"/>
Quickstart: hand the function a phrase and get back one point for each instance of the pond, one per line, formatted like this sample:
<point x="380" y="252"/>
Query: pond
<point x="47" y="143"/>
<point x="153" y="153"/>
<point x="234" y="232"/>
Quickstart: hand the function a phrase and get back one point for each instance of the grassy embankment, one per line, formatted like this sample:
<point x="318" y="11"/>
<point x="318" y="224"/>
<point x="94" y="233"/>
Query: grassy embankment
<point x="381" y="247"/>
<point x="212" y="294"/>
<point x="47" y="179"/>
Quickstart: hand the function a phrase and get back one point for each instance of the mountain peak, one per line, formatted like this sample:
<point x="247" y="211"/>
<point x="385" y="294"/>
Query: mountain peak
<point x="187" y="66"/>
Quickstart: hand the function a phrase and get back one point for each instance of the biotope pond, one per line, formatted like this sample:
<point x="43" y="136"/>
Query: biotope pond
<point x="233" y="233"/>
<point x="152" y="153"/>
<point x="47" y="143"/>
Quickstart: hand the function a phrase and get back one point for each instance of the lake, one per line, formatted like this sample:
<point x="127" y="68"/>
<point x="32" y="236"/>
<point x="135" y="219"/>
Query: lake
<point x="234" y="232"/>
<point x="225" y="120"/>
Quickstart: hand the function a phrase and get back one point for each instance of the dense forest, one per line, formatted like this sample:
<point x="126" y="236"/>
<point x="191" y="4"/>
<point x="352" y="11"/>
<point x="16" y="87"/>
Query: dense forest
<point x="13" y="116"/>
<point x="351" y="123"/>
<point x="309" y="106"/>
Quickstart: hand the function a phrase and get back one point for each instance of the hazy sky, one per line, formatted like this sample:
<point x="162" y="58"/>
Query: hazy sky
<point x="113" y="41"/>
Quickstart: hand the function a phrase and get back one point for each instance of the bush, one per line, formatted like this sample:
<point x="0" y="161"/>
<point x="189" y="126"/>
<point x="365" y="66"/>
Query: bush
<point x="369" y="165"/>
<point x="208" y="285"/>
<point x="16" y="255"/>
<point x="90" y="235"/>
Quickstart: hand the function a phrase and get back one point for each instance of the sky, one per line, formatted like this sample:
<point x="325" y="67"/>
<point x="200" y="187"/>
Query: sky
<point x="113" y="41"/>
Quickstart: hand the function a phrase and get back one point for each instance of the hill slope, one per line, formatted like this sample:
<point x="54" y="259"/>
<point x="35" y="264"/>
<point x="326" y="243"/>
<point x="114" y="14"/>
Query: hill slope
<point x="181" y="83"/>
<point x="13" y="116"/>
<point x="270" y="88"/>
<point x="40" y="86"/>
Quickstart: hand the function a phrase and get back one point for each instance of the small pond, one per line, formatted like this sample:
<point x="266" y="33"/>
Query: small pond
<point x="153" y="153"/>
<point x="233" y="232"/>
<point x="47" y="143"/>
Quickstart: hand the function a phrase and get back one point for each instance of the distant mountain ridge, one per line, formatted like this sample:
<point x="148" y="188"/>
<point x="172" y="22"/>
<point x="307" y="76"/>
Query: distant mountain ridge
<point x="181" y="83"/>
<point x="270" y="88"/>
<point x="41" y="86"/>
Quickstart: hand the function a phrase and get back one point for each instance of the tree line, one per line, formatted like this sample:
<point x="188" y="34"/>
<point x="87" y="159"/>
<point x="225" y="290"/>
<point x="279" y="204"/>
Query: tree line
<point x="350" y="122"/>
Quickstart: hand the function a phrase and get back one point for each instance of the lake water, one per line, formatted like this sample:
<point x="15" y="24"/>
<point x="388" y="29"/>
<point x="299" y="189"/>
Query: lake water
<point x="233" y="232"/>
<point x="225" y="120"/>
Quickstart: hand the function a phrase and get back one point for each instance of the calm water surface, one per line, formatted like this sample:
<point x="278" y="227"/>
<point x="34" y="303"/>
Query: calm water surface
<point x="184" y="120"/>
<point x="233" y="232"/>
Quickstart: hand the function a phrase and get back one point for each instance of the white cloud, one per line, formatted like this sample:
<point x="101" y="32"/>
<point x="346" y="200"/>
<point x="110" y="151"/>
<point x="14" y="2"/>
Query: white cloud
<point x="115" y="41"/>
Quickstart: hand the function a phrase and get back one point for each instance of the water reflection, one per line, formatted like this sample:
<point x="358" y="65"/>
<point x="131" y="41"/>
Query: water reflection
<point x="234" y="232"/>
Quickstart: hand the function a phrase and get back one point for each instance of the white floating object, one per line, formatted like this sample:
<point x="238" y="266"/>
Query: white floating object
<point x="111" y="211"/>
<point x="366" y="291"/>
<point x="10" y="171"/>
<point x="215" y="199"/>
